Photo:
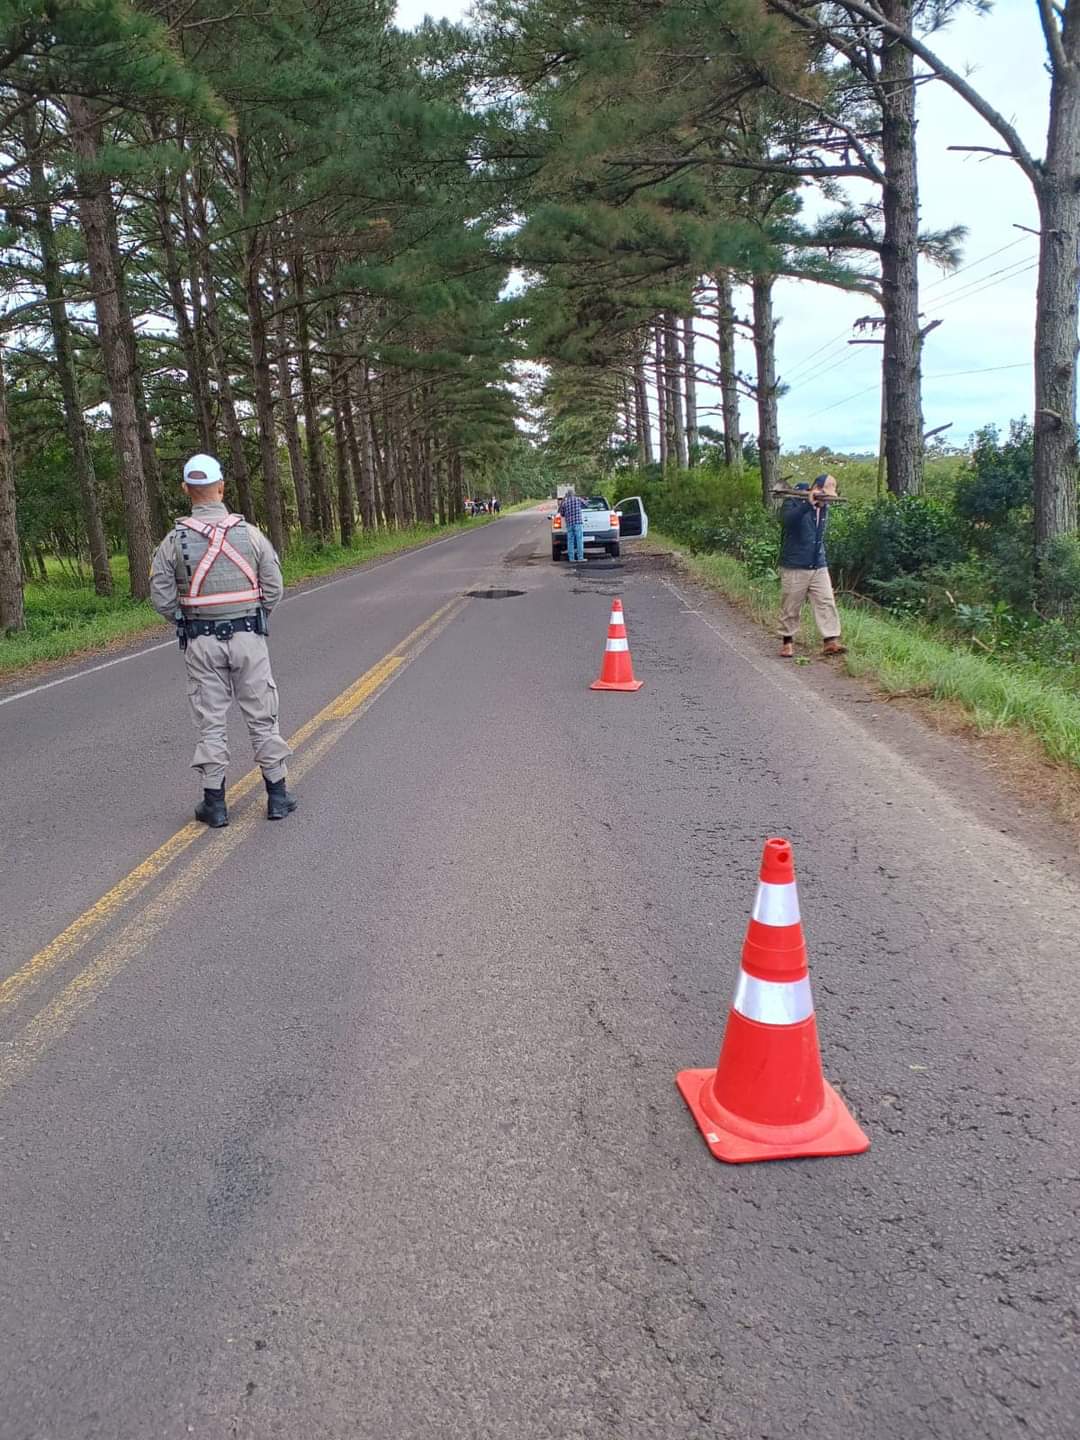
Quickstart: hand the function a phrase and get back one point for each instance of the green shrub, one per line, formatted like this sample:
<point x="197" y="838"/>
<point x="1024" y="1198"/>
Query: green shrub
<point x="998" y="479"/>
<point x="890" y="538"/>
<point x="1059" y="575"/>
<point x="1009" y="546"/>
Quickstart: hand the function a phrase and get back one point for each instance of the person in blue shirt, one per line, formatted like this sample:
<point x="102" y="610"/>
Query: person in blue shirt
<point x="804" y="570"/>
<point x="572" y="511"/>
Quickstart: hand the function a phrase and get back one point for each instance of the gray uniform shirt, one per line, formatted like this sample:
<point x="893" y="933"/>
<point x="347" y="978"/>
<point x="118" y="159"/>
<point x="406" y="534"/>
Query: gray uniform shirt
<point x="164" y="594"/>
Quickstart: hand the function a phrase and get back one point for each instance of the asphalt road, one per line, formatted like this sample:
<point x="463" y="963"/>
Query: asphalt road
<point x="364" y="1125"/>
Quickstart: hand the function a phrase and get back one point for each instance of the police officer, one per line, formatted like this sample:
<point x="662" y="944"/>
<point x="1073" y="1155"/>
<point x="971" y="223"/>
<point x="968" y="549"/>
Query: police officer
<point x="218" y="578"/>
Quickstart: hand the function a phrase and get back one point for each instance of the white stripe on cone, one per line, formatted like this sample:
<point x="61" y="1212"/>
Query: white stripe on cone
<point x="773" y="1002"/>
<point x="616" y="644"/>
<point x="776" y="904"/>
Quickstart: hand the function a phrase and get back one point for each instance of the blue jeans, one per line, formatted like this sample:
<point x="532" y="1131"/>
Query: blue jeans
<point x="575" y="542"/>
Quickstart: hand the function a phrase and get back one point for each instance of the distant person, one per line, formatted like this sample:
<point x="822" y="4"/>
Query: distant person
<point x="573" y="513"/>
<point x="218" y="578"/>
<point x="496" y="505"/>
<point x="804" y="570"/>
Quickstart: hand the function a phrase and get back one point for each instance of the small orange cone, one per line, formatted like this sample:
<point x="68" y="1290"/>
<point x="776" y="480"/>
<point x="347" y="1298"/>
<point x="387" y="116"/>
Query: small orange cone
<point x="767" y="1098"/>
<point x="617" y="671"/>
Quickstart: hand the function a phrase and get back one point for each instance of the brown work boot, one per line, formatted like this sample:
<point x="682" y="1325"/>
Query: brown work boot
<point x="834" y="647"/>
<point x="787" y="649"/>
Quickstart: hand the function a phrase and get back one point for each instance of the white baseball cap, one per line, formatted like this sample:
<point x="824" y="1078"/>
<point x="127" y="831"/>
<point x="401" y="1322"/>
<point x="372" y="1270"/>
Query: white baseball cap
<point x="202" y="470"/>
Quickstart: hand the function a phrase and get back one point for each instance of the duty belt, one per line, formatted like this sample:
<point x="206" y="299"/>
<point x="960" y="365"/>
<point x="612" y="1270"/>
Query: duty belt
<point x="225" y="629"/>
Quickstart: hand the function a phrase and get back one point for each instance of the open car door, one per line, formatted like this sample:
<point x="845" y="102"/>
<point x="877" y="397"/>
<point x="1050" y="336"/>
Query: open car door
<point x="633" y="522"/>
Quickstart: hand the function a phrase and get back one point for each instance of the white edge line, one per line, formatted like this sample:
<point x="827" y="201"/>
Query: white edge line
<point x="92" y="670"/>
<point x="165" y="644"/>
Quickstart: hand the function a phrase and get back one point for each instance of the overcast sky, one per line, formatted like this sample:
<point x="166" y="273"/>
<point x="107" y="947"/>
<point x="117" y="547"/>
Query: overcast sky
<point x="978" y="361"/>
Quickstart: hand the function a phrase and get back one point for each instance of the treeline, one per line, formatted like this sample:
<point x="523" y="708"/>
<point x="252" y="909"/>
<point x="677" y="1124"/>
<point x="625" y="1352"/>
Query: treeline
<point x="251" y="230"/>
<point x="667" y="150"/>
<point x="284" y="233"/>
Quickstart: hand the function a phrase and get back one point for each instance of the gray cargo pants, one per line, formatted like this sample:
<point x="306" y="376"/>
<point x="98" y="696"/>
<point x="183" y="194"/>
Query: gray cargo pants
<point x="220" y="671"/>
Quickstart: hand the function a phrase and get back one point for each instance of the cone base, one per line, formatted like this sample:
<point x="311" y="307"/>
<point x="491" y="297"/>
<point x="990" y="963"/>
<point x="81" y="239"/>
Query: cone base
<point x="737" y="1141"/>
<point x="622" y="685"/>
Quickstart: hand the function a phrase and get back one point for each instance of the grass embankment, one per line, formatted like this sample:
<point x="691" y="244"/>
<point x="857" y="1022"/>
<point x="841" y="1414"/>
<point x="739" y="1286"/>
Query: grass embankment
<point x="64" y="617"/>
<point x="905" y="660"/>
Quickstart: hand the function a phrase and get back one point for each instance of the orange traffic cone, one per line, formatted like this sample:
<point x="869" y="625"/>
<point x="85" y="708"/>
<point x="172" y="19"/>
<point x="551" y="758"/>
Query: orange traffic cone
<point x="767" y="1098"/>
<point x="617" y="671"/>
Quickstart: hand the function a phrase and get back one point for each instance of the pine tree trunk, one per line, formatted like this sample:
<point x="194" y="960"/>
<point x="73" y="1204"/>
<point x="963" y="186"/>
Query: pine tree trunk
<point x="442" y="486"/>
<point x="768" y="422"/>
<point x="150" y="468"/>
<point x="424" y="503"/>
<point x="408" y="471"/>
<point x="417" y="463"/>
<point x="320" y="498"/>
<point x="1055" y="461"/>
<point x="392" y="462"/>
<point x="341" y="467"/>
<point x="360" y="438"/>
<point x="199" y="399"/>
<point x="60" y="324"/>
<point x="288" y="405"/>
<point x="674" y="374"/>
<point x="237" y="469"/>
<point x="641" y="391"/>
<point x="690" y="372"/>
<point x="661" y="397"/>
<point x="629" y="414"/>
<point x="196" y="374"/>
<point x="264" y="396"/>
<point x="12" y="616"/>
<point x="198" y="312"/>
<point x="902" y="359"/>
<point x="430" y="484"/>
<point x="95" y="200"/>
<point x="729" y="385"/>
<point x="407" y="468"/>
<point x="254" y="247"/>
<point x="457" y="487"/>
<point x="339" y="400"/>
<point x="382" y="492"/>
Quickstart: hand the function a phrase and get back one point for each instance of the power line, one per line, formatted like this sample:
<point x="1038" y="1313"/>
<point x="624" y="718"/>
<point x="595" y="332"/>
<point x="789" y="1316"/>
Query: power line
<point x="967" y="291"/>
<point x="828" y="344"/>
<point x="1012" y="274"/>
<point x="836" y="404"/>
<point x="824" y="370"/>
<point x="974" y="264"/>
<point x="982" y="370"/>
<point x="936" y="375"/>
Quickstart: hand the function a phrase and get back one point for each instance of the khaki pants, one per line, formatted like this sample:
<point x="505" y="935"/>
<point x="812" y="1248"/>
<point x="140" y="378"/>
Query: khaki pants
<point x="798" y="586"/>
<point x="220" y="671"/>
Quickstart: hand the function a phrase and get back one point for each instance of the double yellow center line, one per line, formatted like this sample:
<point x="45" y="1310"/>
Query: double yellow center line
<point x="59" y="1014"/>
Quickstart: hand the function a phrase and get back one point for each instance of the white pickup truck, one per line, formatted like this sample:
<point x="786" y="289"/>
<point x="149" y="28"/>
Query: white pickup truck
<point x="606" y="527"/>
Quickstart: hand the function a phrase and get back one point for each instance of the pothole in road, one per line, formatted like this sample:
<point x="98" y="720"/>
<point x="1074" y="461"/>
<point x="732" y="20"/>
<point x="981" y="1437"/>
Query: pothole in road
<point x="492" y="594"/>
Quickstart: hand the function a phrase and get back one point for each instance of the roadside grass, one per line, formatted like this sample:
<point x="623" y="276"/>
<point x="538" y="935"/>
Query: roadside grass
<point x="905" y="660"/>
<point x="64" y="617"/>
<point x="519" y="505"/>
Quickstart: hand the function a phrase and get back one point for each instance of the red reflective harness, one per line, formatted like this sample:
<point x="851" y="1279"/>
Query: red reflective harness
<point x="219" y="545"/>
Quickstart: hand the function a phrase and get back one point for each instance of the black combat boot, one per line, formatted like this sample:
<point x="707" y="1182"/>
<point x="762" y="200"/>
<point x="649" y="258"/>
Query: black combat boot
<point x="279" y="802"/>
<point x="211" y="809"/>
